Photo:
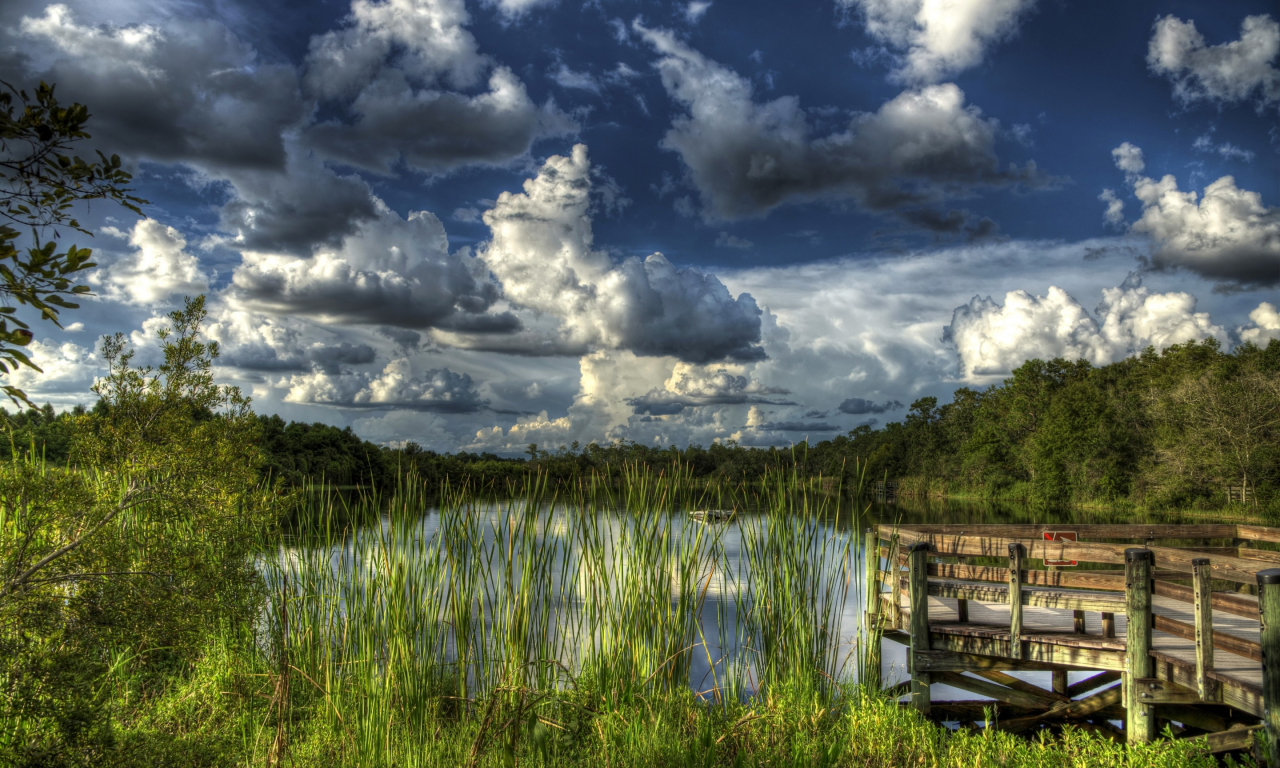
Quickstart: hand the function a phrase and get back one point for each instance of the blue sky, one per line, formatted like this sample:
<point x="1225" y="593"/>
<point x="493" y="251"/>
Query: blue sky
<point x="479" y="225"/>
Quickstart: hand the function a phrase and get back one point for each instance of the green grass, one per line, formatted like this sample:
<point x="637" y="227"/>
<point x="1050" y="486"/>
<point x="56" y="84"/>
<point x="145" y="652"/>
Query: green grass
<point x="560" y="629"/>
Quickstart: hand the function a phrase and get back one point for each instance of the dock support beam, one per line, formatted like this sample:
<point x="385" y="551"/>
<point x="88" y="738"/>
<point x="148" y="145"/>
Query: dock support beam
<point x="1269" y="615"/>
<point x="1202" y="597"/>
<point x="918" y="595"/>
<point x="1141" y="723"/>
<point x="1015" y="601"/>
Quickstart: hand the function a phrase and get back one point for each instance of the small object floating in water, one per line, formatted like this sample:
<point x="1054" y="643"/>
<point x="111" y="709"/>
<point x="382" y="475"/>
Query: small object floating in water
<point x="711" y="515"/>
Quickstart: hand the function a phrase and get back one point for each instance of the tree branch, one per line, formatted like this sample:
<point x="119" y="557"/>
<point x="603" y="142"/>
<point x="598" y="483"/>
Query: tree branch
<point x="132" y="498"/>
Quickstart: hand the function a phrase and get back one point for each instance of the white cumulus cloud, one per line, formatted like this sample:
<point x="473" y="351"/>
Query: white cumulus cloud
<point x="992" y="339"/>
<point x="1226" y="73"/>
<point x="939" y="38"/>
<point x="1227" y="234"/>
<point x="1265" y="326"/>
<point x="542" y="252"/>
<point x="159" y="268"/>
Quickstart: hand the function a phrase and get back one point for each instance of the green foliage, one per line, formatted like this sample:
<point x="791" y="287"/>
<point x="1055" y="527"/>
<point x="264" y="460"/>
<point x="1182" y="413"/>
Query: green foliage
<point x="128" y="558"/>
<point x="41" y="184"/>
<point x="39" y="430"/>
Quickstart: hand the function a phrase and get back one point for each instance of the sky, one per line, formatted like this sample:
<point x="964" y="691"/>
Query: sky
<point x="480" y="225"/>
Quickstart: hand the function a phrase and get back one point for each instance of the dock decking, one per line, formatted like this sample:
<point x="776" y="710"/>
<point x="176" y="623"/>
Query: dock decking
<point x="1194" y="660"/>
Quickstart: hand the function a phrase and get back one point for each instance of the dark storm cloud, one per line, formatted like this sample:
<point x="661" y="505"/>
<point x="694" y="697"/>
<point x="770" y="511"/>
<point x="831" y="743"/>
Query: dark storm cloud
<point x="856" y="406"/>
<point x="661" y="403"/>
<point x="392" y="272"/>
<point x="799" y="426"/>
<point x="438" y="390"/>
<point x="188" y="93"/>
<point x="328" y="358"/>
<point x="953" y="223"/>
<point x="437" y="131"/>
<point x="384" y="69"/>
<point x="746" y="158"/>
<point x="295" y="212"/>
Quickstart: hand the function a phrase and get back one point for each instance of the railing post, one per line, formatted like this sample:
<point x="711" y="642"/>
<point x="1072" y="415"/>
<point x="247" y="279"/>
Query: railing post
<point x="1203" y="598"/>
<point x="895" y="584"/>
<point x="1015" y="600"/>
<point x="871" y="551"/>
<point x="918" y="594"/>
<point x="1269" y="616"/>
<point x="962" y="605"/>
<point x="1141" y="724"/>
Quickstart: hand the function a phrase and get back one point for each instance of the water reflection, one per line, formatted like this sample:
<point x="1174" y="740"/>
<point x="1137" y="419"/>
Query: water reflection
<point x="703" y="590"/>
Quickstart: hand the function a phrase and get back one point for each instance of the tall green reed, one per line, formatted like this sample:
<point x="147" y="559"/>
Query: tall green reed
<point x="598" y="593"/>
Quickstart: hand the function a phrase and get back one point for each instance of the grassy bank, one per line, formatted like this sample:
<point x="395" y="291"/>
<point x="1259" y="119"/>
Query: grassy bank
<point x="554" y="630"/>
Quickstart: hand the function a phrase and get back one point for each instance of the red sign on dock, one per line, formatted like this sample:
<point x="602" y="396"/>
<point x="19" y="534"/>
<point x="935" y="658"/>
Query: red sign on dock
<point x="1060" y="536"/>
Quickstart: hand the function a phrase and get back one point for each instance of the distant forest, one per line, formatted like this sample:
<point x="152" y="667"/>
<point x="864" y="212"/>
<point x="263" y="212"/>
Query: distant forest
<point x="1161" y="430"/>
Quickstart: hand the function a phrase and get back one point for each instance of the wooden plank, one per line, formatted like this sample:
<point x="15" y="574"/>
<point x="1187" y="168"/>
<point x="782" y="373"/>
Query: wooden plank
<point x="1237" y="738"/>
<point x="1196" y="717"/>
<point x="1076" y="709"/>
<point x="1087" y="531"/>
<point x="1234" y="693"/>
<point x="1100" y="580"/>
<point x="1152" y="690"/>
<point x="1230" y="643"/>
<point x="1045" y="598"/>
<point x="1257" y="533"/>
<point x="1088" y="684"/>
<point x="985" y="688"/>
<point x="1017" y="684"/>
<point x="1233" y="603"/>
<point x="1226" y="568"/>
<point x="1051" y="653"/>
<point x="947" y="661"/>
<point x="1265" y="555"/>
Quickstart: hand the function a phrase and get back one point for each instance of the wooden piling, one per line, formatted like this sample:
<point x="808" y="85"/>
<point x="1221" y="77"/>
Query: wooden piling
<point x="1269" y="615"/>
<point x="1015" y="601"/>
<point x="1203" y="609"/>
<point x="871" y="662"/>
<point x="918" y="595"/>
<point x="1141" y="721"/>
<point x="895" y="583"/>
<point x="871" y="551"/>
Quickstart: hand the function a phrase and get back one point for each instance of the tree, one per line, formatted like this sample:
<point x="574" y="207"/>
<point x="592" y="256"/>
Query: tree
<point x="137" y="548"/>
<point x="1235" y="415"/>
<point x="40" y="186"/>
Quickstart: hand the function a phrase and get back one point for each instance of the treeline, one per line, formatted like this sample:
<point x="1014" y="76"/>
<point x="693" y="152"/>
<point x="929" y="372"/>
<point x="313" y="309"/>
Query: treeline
<point x="1169" y="429"/>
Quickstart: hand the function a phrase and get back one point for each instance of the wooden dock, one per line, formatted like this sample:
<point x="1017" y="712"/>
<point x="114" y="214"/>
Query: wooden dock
<point x="1180" y="623"/>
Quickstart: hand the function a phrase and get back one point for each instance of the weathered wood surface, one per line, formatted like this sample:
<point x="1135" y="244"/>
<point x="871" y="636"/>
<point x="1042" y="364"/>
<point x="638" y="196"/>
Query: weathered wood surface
<point x="981" y="609"/>
<point x="1101" y="581"/>
<point x="1133" y="531"/>
<point x="1049" y="637"/>
<point x="1235" y="569"/>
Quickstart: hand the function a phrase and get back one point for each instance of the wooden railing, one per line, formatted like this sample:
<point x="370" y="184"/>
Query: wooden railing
<point x="1182" y="573"/>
